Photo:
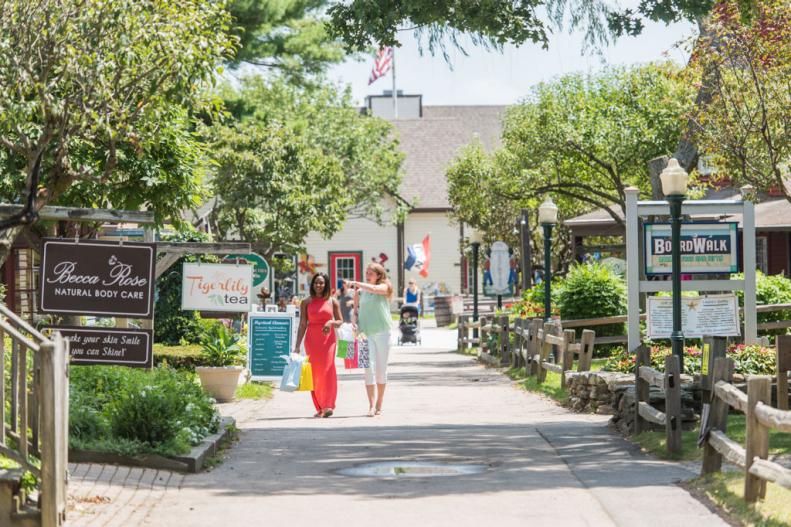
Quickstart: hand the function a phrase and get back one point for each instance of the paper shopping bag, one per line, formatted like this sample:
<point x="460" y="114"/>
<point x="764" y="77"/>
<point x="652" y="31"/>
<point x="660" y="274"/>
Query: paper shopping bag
<point x="306" y="379"/>
<point x="363" y="353"/>
<point x="291" y="373"/>
<point x="340" y="348"/>
<point x="350" y="361"/>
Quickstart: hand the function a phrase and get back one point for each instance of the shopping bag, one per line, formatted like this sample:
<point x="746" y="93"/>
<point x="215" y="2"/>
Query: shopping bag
<point x="340" y="348"/>
<point x="306" y="378"/>
<point x="363" y="353"/>
<point x="291" y="373"/>
<point x="350" y="362"/>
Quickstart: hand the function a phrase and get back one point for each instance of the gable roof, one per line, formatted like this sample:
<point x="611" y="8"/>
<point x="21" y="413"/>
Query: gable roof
<point x="431" y="142"/>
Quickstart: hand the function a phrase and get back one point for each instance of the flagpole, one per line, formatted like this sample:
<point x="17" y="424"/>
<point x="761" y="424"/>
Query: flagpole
<point x="395" y="93"/>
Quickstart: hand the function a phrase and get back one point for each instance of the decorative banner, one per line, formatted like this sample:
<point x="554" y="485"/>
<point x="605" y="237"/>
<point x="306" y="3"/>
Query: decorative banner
<point x="270" y="335"/>
<point x="714" y="315"/>
<point x="108" y="346"/>
<point x="97" y="278"/>
<point x="217" y="287"/>
<point x="497" y="271"/>
<point x="705" y="248"/>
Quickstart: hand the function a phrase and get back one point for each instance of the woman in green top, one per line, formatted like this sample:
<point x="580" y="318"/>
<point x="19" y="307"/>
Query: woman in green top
<point x="372" y="316"/>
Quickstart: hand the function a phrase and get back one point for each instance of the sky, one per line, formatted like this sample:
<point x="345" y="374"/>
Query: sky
<point x="491" y="77"/>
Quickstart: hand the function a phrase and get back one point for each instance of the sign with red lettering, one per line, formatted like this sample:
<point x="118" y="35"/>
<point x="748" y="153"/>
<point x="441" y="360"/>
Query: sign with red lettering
<point x="97" y="278"/>
<point x="217" y="287"/>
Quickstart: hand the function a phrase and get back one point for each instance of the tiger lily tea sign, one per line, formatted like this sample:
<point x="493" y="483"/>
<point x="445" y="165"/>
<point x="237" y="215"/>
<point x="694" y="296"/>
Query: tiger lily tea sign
<point x="705" y="248"/>
<point x="97" y="278"/>
<point x="217" y="287"/>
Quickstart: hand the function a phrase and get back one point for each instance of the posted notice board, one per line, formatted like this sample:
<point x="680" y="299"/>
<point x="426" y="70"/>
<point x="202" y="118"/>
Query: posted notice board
<point x="270" y="335"/>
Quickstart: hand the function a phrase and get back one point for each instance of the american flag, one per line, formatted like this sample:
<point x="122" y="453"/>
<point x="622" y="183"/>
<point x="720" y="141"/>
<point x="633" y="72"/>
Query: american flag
<point x="382" y="64"/>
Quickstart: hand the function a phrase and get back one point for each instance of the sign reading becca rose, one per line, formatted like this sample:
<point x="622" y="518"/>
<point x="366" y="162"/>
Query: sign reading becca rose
<point x="217" y="287"/>
<point x="97" y="278"/>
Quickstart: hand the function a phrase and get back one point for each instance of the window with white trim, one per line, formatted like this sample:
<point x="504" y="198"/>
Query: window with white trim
<point x="762" y="254"/>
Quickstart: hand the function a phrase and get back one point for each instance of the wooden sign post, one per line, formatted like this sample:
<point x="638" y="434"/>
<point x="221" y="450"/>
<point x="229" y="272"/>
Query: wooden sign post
<point x="783" y="345"/>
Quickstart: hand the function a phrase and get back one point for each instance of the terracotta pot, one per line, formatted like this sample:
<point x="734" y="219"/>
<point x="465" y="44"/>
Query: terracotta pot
<point x="220" y="382"/>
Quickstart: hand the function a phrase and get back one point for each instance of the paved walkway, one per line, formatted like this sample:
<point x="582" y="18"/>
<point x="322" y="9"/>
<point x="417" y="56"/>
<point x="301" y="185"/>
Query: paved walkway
<point x="545" y="465"/>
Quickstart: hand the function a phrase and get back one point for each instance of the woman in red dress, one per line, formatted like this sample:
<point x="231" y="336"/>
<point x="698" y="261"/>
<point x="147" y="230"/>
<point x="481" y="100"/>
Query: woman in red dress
<point x="319" y="316"/>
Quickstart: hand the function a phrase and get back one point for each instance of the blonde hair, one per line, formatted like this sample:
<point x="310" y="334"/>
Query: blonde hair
<point x="381" y="277"/>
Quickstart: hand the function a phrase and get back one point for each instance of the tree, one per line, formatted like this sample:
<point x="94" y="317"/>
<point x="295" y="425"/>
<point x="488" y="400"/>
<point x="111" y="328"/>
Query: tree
<point x="288" y="36"/>
<point x="298" y="159"/>
<point x="89" y="84"/>
<point x="746" y="127"/>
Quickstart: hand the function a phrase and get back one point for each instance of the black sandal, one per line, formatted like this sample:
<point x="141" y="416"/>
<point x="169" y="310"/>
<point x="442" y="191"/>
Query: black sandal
<point x="327" y="413"/>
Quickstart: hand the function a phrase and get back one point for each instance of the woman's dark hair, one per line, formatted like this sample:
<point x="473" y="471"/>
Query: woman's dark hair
<point x="327" y="287"/>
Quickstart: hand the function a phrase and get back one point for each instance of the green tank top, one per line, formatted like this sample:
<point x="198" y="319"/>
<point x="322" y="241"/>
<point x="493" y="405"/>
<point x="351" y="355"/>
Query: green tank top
<point x="374" y="314"/>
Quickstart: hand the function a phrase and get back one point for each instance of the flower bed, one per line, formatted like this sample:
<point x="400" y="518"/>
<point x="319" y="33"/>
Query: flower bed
<point x="754" y="359"/>
<point x="130" y="411"/>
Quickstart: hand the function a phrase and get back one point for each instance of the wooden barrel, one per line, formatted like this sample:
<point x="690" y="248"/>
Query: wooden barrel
<point x="443" y="310"/>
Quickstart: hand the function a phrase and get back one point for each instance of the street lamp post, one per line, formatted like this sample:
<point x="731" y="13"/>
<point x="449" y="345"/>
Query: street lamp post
<point x="548" y="218"/>
<point x="674" y="186"/>
<point x="475" y="243"/>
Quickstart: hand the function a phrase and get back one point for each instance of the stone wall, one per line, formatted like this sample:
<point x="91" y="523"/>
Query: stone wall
<point x="613" y="394"/>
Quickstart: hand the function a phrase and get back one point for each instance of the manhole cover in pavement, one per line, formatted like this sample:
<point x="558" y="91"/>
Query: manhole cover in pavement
<point x="411" y="469"/>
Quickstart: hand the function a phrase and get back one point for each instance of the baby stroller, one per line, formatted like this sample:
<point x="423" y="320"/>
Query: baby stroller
<point x="409" y="325"/>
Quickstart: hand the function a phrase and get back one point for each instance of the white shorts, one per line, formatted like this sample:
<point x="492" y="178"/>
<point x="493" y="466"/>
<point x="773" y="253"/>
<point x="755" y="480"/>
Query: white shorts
<point x="378" y="350"/>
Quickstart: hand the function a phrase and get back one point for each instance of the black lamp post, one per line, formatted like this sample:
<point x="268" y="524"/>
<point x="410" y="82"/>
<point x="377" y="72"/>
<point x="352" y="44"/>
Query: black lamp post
<point x="475" y="243"/>
<point x="674" y="186"/>
<point x="548" y="218"/>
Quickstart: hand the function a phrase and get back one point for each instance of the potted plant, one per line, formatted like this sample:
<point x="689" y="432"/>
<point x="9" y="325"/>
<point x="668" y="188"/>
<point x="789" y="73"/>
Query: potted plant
<point x="222" y="356"/>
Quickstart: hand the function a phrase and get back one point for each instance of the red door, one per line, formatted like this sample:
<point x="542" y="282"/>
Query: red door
<point x="345" y="266"/>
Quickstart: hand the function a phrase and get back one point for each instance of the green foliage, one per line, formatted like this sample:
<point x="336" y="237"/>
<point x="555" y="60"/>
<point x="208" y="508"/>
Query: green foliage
<point x="106" y="99"/>
<point x="748" y="360"/>
<point x="289" y="36"/>
<point x="133" y="411"/>
<point x="770" y="289"/>
<point x="592" y="291"/>
<point x="221" y="347"/>
<point x="184" y="357"/>
<point x="254" y="390"/>
<point x="172" y="324"/>
<point x="745" y="128"/>
<point x="297" y="160"/>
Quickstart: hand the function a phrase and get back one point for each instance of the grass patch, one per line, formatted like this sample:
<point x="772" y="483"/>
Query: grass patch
<point x="656" y="442"/>
<point x="726" y="490"/>
<point x="254" y="390"/>
<point x="550" y="387"/>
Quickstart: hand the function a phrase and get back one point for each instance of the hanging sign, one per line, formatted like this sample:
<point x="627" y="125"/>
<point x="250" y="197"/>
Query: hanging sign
<point x="270" y="335"/>
<point x="716" y="315"/>
<point x="217" y="287"/>
<point x="497" y="278"/>
<point x="262" y="275"/>
<point x="97" y="278"/>
<point x="108" y="346"/>
<point x="705" y="248"/>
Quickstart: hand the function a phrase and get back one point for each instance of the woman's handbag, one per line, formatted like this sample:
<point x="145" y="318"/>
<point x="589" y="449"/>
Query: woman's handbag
<point x="306" y="378"/>
<point x="292" y="372"/>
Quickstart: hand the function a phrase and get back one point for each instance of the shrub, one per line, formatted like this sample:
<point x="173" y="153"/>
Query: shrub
<point x="185" y="357"/>
<point x="592" y="291"/>
<point x="770" y="289"/>
<point x="221" y="347"/>
<point x="133" y="411"/>
<point x="748" y="360"/>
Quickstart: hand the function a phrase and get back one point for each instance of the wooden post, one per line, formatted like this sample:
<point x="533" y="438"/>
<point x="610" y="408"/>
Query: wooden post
<point x="546" y="349"/>
<point x="758" y="390"/>
<point x="783" y="345"/>
<point x="2" y="387"/>
<point x="462" y="346"/>
<point x="586" y="350"/>
<point x="519" y="342"/>
<point x="713" y="349"/>
<point x="483" y="346"/>
<point x="533" y="345"/>
<point x="505" y="341"/>
<point x="673" y="404"/>
<point x="642" y="390"/>
<point x="566" y="355"/>
<point x="718" y="415"/>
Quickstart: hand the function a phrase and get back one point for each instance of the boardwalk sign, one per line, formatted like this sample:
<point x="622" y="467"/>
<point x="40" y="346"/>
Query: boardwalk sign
<point x="97" y="278"/>
<point x="705" y="248"/>
<point x="217" y="287"/>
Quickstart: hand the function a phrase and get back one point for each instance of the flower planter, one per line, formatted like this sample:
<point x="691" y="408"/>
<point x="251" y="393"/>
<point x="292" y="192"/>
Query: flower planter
<point x="220" y="382"/>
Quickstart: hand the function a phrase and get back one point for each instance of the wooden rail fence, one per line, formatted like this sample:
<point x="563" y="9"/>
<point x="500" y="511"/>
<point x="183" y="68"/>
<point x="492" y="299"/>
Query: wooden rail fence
<point x="537" y="346"/>
<point x="761" y="417"/>
<point x="670" y="383"/>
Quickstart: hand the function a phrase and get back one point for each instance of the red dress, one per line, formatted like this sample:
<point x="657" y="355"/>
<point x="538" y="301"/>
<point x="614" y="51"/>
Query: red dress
<point x="321" y="350"/>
